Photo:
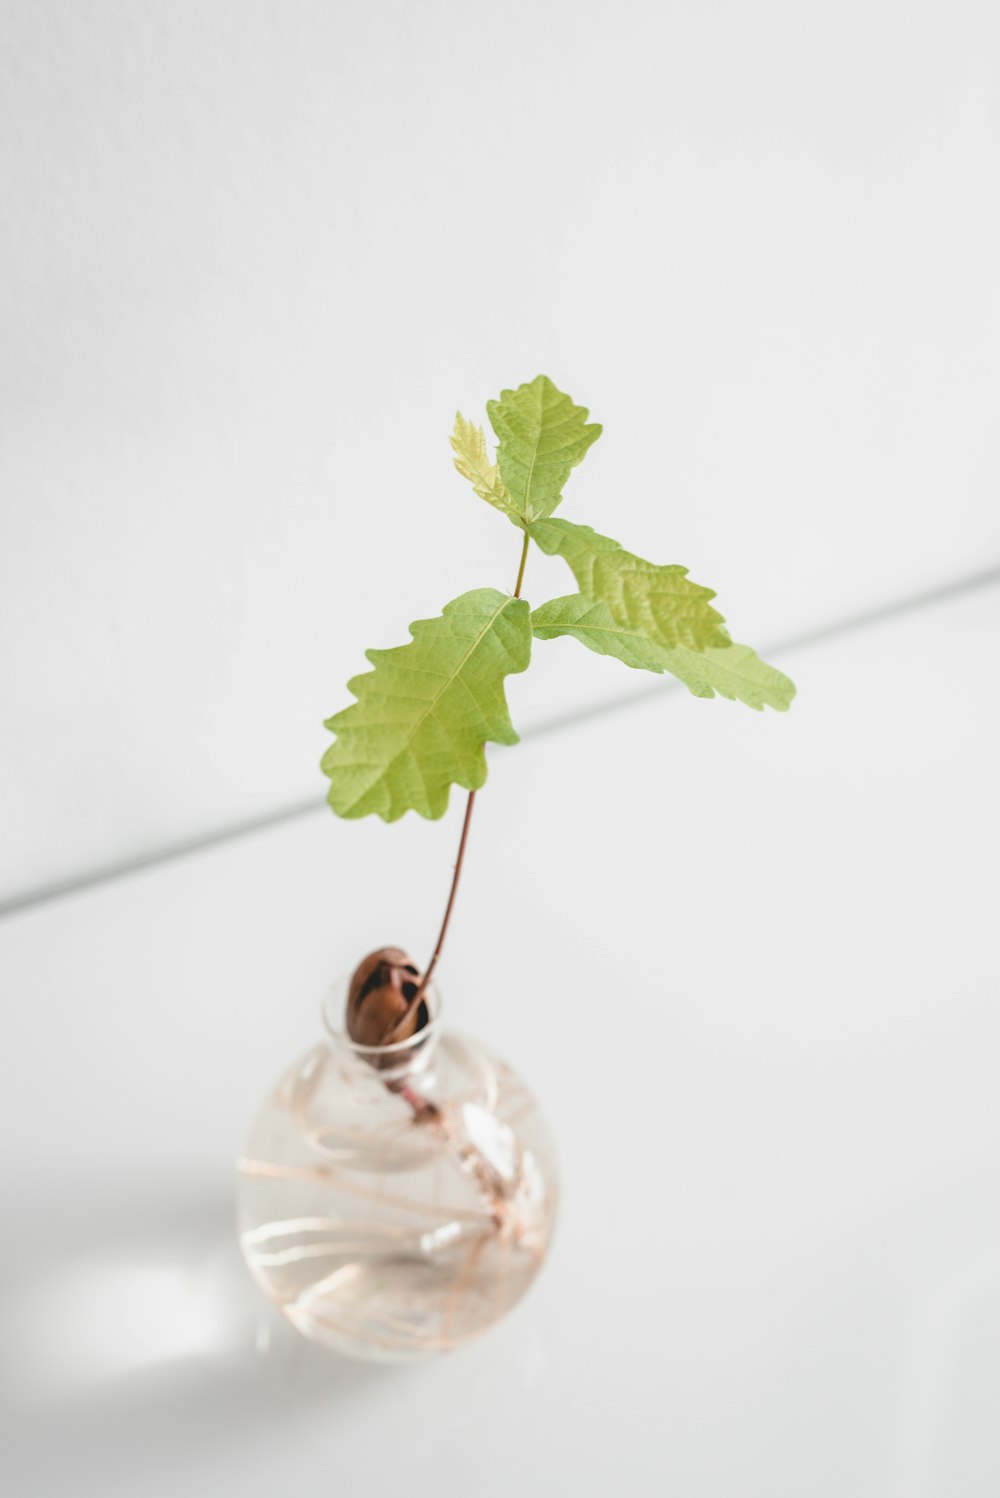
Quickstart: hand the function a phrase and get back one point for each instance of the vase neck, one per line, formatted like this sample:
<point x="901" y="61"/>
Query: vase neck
<point x="401" y="1059"/>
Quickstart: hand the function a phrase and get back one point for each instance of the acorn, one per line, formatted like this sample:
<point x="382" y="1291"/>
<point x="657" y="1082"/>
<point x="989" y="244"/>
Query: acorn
<point x="380" y="999"/>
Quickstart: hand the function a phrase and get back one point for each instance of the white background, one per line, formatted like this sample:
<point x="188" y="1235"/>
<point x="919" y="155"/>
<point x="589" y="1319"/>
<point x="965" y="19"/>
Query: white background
<point x="759" y="1004"/>
<point x="254" y="255"/>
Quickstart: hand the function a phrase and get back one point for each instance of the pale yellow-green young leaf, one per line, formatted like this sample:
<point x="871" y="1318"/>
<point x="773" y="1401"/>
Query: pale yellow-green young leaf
<point x="660" y="603"/>
<point x="422" y="716"/>
<point x="734" y="671"/>
<point x="472" y="461"/>
<point x="542" y="435"/>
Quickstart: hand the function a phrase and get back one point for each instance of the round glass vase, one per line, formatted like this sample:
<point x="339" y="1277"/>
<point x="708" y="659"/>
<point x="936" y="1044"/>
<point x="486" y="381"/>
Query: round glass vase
<point x="398" y="1201"/>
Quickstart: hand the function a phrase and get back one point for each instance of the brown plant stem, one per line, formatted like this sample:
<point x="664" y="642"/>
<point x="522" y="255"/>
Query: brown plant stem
<point x="425" y="980"/>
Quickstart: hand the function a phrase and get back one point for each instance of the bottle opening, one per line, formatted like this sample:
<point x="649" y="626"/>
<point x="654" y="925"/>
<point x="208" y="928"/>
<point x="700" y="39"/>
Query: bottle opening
<point x="400" y="1055"/>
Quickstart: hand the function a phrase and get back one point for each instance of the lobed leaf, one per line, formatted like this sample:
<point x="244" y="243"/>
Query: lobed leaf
<point x="660" y="603"/>
<point x="472" y="461"/>
<point x="734" y="671"/>
<point x="422" y="716"/>
<point x="542" y="435"/>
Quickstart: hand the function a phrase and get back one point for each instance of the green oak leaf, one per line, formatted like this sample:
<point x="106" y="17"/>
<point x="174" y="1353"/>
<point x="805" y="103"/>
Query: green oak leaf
<point x="473" y="463"/>
<point x="423" y="714"/>
<point x="542" y="435"/>
<point x="734" y="671"/>
<point x="660" y="603"/>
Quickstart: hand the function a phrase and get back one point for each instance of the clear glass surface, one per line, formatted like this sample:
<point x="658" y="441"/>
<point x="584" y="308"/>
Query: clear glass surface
<point x="396" y="1203"/>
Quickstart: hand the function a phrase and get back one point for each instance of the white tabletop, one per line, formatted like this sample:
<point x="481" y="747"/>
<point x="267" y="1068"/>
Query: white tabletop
<point x="749" y="964"/>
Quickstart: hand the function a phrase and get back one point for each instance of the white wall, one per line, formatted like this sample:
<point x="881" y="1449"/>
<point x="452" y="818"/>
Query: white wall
<point x="255" y="254"/>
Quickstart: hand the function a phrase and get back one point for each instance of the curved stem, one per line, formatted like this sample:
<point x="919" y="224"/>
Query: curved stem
<point x="451" y="900"/>
<point x="425" y="980"/>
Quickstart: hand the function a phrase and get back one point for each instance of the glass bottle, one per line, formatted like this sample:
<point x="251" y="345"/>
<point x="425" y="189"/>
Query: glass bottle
<point x="396" y="1201"/>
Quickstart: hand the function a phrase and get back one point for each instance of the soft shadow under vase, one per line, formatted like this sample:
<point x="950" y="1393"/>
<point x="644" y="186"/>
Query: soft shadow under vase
<point x="397" y="1202"/>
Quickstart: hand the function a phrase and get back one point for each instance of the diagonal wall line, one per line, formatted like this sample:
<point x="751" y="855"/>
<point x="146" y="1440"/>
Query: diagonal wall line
<point x="867" y="619"/>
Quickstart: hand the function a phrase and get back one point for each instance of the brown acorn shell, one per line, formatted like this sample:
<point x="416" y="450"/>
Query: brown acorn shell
<point x="380" y="1007"/>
